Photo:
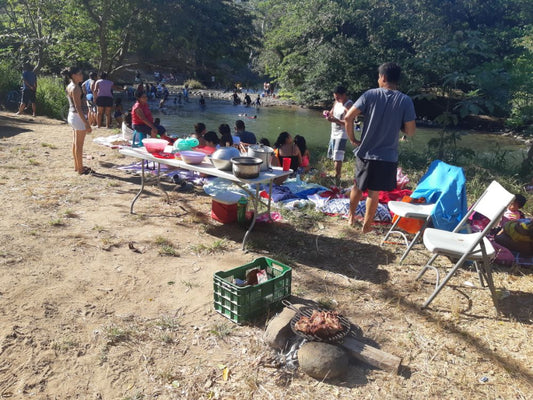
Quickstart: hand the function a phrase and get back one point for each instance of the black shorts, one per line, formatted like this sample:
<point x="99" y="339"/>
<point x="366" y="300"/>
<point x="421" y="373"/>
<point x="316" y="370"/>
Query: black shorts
<point x="102" y="101"/>
<point x="28" y="96"/>
<point x="375" y="175"/>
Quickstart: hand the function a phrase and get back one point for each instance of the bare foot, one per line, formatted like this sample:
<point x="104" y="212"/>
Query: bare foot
<point x="367" y="229"/>
<point x="354" y="219"/>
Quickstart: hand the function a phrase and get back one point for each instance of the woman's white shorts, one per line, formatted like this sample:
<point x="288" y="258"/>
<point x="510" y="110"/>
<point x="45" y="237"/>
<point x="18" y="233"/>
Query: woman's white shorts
<point x="76" y="122"/>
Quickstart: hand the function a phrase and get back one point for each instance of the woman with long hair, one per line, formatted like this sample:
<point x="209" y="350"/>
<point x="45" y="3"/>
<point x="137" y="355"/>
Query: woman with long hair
<point x="286" y="148"/>
<point x="77" y="116"/>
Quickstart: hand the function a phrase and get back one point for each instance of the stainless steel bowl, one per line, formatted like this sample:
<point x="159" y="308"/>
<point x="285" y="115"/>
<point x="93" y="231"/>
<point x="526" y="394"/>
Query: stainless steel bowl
<point x="223" y="165"/>
<point x="246" y="167"/>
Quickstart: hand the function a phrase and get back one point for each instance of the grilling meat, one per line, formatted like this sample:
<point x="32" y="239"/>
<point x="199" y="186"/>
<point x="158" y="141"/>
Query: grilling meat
<point x="323" y="324"/>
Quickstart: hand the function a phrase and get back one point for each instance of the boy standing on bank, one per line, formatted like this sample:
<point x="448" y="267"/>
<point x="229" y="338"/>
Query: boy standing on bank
<point x="386" y="111"/>
<point x="338" y="138"/>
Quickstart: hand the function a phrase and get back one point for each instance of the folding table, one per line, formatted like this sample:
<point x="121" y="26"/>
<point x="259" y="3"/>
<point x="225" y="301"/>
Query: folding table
<point x="265" y="177"/>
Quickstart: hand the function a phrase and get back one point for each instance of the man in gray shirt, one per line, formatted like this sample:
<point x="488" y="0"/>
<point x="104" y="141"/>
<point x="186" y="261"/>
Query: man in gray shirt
<point x="386" y="111"/>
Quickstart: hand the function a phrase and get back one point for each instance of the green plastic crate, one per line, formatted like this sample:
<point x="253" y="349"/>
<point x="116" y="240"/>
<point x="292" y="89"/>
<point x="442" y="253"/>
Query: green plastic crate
<point x="241" y="304"/>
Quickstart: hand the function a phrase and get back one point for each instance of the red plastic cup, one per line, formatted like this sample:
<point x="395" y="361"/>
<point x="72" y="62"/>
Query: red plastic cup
<point x="286" y="164"/>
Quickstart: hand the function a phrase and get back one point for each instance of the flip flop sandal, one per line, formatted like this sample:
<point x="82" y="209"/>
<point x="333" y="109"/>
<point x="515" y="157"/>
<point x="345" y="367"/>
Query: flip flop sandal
<point x="88" y="171"/>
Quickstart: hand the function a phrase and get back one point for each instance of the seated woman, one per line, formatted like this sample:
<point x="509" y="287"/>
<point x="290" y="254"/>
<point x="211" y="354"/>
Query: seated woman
<point x="141" y="116"/>
<point x="517" y="236"/>
<point x="211" y="143"/>
<point x="286" y="148"/>
<point x="199" y="132"/>
<point x="305" y="166"/>
<point x="226" y="139"/>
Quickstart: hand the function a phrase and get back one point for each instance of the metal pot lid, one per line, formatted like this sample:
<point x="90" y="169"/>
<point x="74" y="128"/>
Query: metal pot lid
<point x="259" y="148"/>
<point x="225" y="153"/>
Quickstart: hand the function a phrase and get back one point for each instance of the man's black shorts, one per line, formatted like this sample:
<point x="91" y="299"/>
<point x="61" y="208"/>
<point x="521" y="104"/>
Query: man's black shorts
<point x="28" y="96"/>
<point x="375" y="175"/>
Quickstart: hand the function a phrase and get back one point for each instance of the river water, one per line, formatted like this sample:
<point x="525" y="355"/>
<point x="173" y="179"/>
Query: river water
<point x="268" y="122"/>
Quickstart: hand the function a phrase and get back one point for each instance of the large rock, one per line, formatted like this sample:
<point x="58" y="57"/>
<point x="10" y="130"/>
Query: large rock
<point x="279" y="330"/>
<point x="323" y="360"/>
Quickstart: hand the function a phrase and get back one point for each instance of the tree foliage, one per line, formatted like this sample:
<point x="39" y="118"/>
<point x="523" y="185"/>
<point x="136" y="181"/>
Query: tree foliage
<point x="187" y="36"/>
<point x="470" y="50"/>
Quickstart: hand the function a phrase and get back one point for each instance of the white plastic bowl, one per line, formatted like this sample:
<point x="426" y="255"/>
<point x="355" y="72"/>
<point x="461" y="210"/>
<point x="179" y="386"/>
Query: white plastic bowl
<point x="155" y="145"/>
<point x="192" y="157"/>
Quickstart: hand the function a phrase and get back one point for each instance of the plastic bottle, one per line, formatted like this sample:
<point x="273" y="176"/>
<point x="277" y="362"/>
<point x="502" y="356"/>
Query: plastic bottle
<point x="241" y="210"/>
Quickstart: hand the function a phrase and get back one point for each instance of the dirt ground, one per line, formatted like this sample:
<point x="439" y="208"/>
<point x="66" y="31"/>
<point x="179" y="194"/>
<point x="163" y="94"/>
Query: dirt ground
<point x="98" y="303"/>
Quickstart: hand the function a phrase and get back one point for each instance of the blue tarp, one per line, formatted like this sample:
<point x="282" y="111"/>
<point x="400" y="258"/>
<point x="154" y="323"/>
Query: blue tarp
<point x="444" y="185"/>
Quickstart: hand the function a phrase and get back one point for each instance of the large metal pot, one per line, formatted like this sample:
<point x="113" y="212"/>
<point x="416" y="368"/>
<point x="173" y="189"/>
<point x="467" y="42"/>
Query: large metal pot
<point x="246" y="167"/>
<point x="222" y="156"/>
<point x="262" y="152"/>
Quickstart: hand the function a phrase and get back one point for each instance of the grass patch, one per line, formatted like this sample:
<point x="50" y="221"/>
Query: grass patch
<point x="166" y="247"/>
<point x="167" y="324"/>
<point x="99" y="228"/>
<point x="64" y="345"/>
<point x="34" y="162"/>
<point x="49" y="145"/>
<point x="70" y="214"/>
<point x="189" y="285"/>
<point x="222" y="330"/>
<point x="217" y="246"/>
<point x="115" y="334"/>
<point x="56" y="222"/>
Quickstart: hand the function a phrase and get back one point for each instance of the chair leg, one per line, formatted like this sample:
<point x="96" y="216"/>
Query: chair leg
<point x="480" y="274"/>
<point x="415" y="239"/>
<point x="428" y="266"/>
<point x="390" y="230"/>
<point x="487" y="272"/>
<point x="444" y="281"/>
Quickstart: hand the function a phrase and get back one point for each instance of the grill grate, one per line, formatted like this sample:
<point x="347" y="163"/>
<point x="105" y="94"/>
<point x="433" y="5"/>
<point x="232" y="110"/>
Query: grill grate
<point x="307" y="312"/>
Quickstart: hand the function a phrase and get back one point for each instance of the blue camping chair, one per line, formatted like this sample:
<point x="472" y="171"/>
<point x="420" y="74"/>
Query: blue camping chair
<point x="443" y="187"/>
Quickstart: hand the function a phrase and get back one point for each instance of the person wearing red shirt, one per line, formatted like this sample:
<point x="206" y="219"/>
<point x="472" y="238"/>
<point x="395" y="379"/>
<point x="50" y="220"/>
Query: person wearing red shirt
<point x="141" y="116"/>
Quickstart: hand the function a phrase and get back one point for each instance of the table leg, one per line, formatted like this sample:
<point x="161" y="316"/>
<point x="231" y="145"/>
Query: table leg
<point x="254" y="203"/>
<point x="269" y="199"/>
<point x="140" y="190"/>
<point x="159" y="182"/>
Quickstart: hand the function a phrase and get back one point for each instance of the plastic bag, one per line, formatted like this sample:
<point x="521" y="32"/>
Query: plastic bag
<point x="401" y="179"/>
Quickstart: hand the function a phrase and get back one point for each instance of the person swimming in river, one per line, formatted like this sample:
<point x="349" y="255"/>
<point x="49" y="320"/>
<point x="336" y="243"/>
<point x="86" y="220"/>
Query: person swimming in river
<point x="248" y="116"/>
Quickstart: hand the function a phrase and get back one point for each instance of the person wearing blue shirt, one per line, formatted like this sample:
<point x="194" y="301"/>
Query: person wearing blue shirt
<point x="386" y="111"/>
<point x="29" y="89"/>
<point x="246" y="137"/>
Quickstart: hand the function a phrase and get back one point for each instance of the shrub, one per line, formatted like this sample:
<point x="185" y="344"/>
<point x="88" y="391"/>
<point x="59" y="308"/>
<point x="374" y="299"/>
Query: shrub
<point x="10" y="80"/>
<point x="193" y="84"/>
<point x="51" y="98"/>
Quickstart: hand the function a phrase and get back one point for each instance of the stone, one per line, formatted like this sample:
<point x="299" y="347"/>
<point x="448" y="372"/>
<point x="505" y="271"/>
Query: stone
<point x="278" y="330"/>
<point x="323" y="360"/>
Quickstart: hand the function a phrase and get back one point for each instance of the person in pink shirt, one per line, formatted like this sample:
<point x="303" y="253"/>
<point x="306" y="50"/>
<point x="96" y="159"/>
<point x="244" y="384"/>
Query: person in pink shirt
<point x="513" y="210"/>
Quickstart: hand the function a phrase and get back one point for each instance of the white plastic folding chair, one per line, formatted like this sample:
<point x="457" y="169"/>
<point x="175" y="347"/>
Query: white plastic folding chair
<point x="468" y="246"/>
<point x="403" y="209"/>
